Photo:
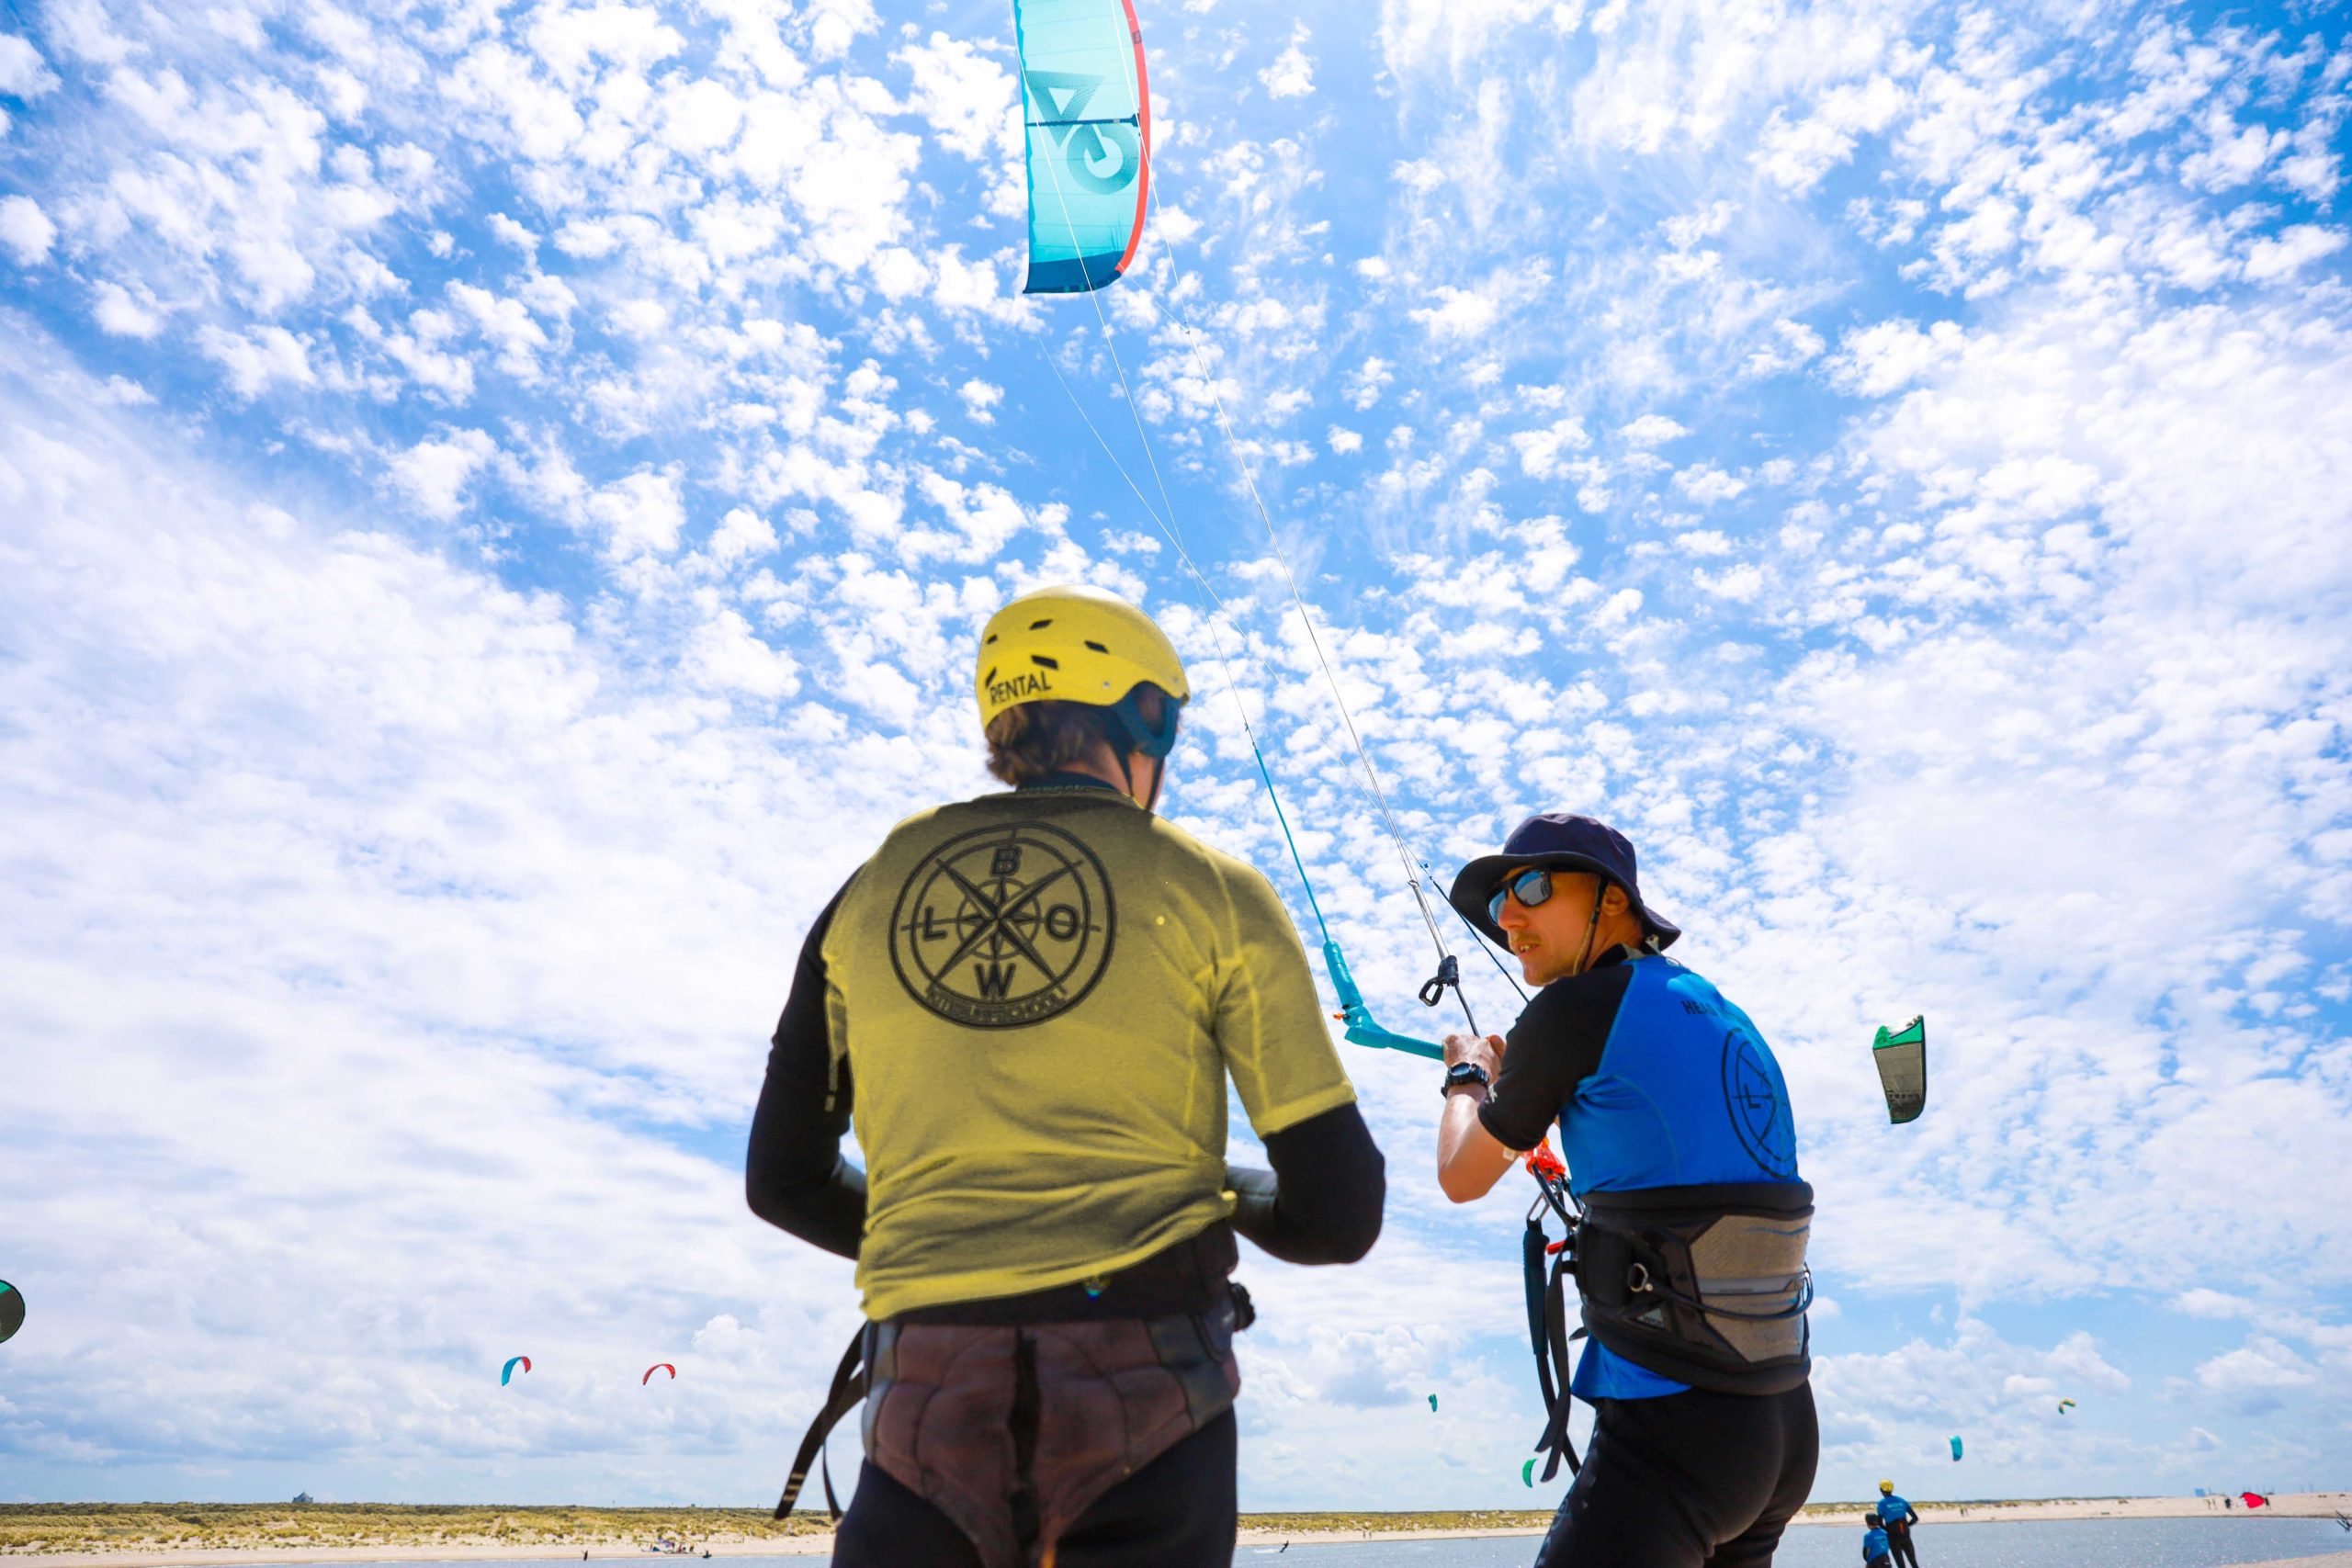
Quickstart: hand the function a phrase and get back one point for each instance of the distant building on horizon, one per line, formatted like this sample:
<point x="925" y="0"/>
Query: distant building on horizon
<point x="304" y="1497"/>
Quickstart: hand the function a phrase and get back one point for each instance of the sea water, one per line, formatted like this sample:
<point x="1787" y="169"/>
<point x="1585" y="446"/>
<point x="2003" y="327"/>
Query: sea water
<point x="2057" y="1543"/>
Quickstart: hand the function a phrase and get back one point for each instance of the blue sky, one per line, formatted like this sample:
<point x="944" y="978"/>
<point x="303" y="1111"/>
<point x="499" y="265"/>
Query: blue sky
<point x="497" y="500"/>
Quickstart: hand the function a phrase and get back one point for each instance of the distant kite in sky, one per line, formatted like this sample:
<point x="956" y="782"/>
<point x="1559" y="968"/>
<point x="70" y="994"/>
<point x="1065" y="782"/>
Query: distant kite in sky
<point x="513" y="1361"/>
<point x="1955" y="1450"/>
<point x="1088" y="112"/>
<point x="2064" y="1405"/>
<point x="12" y="1311"/>
<point x="658" y="1367"/>
<point x="1901" y="1059"/>
<point x="1527" y="1471"/>
<point x="1433" y="1402"/>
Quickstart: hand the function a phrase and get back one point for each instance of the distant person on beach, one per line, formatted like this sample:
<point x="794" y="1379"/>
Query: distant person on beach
<point x="1874" y="1542"/>
<point x="1681" y="1151"/>
<point x="1032" y="1003"/>
<point x="1898" y="1517"/>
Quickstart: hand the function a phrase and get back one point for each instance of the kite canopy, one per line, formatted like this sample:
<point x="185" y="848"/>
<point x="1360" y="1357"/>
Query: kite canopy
<point x="512" y="1363"/>
<point x="1901" y="1059"/>
<point x="2064" y="1405"/>
<point x="1089" y="116"/>
<point x="2252" y="1499"/>
<point x="12" y="1310"/>
<point x="1955" y="1450"/>
<point x="658" y="1367"/>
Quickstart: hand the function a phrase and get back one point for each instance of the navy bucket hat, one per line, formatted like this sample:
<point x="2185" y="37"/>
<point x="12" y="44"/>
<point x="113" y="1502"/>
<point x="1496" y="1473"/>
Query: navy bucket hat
<point x="1557" y="839"/>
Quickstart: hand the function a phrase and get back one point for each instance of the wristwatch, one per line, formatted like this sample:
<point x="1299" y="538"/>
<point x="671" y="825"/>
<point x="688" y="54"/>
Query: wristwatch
<point x="1465" y="1073"/>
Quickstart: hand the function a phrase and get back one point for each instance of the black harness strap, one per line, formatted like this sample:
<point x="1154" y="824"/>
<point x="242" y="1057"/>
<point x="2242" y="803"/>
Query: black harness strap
<point x="849" y="1387"/>
<point x="1547" y="1323"/>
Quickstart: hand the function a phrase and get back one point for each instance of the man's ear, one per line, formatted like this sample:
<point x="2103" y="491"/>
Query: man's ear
<point x="1613" y="901"/>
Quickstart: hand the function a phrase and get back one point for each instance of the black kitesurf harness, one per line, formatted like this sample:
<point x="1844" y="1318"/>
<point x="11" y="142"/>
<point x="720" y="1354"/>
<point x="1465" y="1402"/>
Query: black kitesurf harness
<point x="1707" y="1285"/>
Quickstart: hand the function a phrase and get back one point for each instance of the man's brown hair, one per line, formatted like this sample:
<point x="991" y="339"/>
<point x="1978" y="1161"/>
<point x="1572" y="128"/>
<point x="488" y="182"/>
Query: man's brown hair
<point x="1028" y="742"/>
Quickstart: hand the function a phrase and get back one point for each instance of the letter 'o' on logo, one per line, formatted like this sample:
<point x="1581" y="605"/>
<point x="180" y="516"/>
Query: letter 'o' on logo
<point x="1004" y="927"/>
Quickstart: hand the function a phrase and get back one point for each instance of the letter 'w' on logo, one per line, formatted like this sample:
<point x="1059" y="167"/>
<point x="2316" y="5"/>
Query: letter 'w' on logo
<point x="993" y="980"/>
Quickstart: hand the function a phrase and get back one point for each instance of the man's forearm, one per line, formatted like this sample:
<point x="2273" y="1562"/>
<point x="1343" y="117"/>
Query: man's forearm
<point x="1470" y="1159"/>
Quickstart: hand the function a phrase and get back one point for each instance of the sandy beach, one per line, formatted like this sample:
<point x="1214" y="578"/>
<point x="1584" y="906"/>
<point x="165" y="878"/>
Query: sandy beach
<point x="1262" y="1530"/>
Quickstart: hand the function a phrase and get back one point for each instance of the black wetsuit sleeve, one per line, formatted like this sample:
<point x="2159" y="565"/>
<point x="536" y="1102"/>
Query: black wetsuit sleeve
<point x="1322" y="1202"/>
<point x="794" y="1174"/>
<point x="1554" y="1047"/>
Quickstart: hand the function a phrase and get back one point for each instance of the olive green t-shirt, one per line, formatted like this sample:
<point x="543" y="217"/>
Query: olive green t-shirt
<point x="1041" y="996"/>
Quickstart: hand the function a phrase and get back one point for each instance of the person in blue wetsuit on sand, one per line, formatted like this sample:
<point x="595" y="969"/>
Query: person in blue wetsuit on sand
<point x="1875" y="1543"/>
<point x="1689" y="1256"/>
<point x="1898" y="1517"/>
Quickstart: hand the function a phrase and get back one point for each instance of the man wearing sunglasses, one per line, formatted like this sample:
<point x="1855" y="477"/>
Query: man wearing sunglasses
<point x="1688" y="1260"/>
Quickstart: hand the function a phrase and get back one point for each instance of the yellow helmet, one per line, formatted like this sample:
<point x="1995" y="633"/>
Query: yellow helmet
<point x="1079" y="645"/>
<point x="1886" y="1486"/>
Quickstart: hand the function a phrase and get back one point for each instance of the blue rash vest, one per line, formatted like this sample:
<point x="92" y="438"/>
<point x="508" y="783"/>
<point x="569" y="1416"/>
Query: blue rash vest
<point x="1874" y="1545"/>
<point x="1655" y="1079"/>
<point x="1895" y="1514"/>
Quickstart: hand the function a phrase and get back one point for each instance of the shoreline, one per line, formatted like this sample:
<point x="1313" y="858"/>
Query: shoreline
<point x="1261" y="1530"/>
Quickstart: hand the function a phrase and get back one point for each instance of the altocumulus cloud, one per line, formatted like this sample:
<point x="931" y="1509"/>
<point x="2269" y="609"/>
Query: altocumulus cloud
<point x="498" y="504"/>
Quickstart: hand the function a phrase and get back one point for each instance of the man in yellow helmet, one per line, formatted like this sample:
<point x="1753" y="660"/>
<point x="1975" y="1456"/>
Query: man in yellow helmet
<point x="1033" y="1001"/>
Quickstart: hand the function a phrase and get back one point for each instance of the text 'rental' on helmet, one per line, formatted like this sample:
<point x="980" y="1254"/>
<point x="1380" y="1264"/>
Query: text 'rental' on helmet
<point x="1080" y="645"/>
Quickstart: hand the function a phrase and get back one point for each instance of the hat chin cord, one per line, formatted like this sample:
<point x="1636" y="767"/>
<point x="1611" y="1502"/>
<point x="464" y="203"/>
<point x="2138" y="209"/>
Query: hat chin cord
<point x="1584" y="955"/>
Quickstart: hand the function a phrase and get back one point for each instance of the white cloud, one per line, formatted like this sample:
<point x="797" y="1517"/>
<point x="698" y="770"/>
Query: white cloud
<point x="1457" y="313"/>
<point x="257" y="361"/>
<point x="1888" y="356"/>
<point x="437" y="474"/>
<point x="981" y="400"/>
<point x="1292" y="75"/>
<point x="2261" y="1365"/>
<point x="643" y="513"/>
<point x="22" y="73"/>
<point x="1651" y="429"/>
<point x="26" y="231"/>
<point x="2275" y="258"/>
<point x="121" y="313"/>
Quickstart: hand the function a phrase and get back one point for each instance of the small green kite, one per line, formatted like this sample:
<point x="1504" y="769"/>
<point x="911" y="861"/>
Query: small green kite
<point x="12" y="1311"/>
<point x="1901" y="1059"/>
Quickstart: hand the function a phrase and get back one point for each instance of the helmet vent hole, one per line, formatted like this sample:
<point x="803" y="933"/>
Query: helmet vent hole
<point x="988" y="679"/>
<point x="1042" y="660"/>
<point x="1041" y="625"/>
<point x="1096" y="646"/>
<point x="987" y="639"/>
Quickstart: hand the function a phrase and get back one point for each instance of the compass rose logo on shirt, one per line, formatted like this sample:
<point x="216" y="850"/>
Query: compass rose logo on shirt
<point x="1004" y="927"/>
<point x="1759" y="1112"/>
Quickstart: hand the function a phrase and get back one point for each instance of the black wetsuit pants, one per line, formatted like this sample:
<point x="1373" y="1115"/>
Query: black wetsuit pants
<point x="1693" y="1480"/>
<point x="1898" y="1542"/>
<point x="1176" y="1512"/>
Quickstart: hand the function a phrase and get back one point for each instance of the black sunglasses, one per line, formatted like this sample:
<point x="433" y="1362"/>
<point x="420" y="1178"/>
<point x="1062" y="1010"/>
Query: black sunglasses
<point x="1531" y="888"/>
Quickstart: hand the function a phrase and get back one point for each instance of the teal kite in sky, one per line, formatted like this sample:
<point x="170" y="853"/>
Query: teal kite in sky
<point x="1088" y="113"/>
<point x="512" y="1363"/>
<point x="12" y="1311"/>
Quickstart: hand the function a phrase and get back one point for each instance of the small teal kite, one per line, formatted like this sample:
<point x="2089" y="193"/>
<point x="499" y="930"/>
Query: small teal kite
<point x="512" y="1363"/>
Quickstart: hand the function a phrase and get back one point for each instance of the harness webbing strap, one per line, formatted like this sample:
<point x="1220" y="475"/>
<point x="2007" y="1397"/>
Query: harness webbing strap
<point x="849" y="1387"/>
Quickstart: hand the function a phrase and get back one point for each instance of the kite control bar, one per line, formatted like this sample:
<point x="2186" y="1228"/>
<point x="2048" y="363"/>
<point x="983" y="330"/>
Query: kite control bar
<point x="1363" y="1028"/>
